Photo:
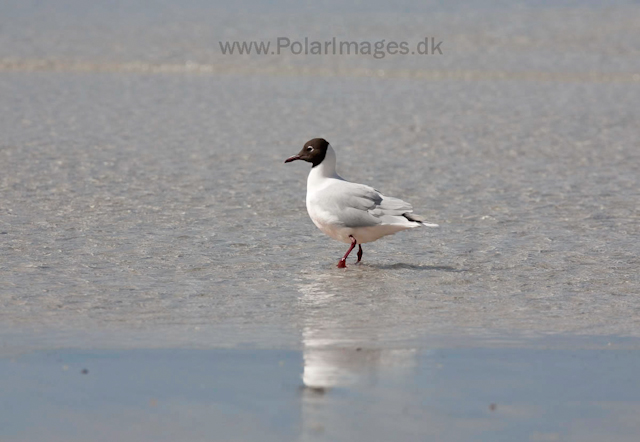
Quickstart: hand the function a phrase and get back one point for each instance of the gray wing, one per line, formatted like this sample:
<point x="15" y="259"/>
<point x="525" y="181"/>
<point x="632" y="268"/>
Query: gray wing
<point x="359" y="205"/>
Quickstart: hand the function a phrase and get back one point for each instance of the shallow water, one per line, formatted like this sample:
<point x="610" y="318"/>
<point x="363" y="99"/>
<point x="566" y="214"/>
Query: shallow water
<point x="145" y="203"/>
<point x="136" y="199"/>
<point x="554" y="392"/>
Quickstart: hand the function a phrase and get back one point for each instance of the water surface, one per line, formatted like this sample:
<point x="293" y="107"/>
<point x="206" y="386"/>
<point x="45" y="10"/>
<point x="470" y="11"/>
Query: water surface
<point x="150" y="232"/>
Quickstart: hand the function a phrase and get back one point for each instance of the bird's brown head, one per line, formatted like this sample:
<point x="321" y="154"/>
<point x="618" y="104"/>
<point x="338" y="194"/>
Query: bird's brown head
<point x="313" y="152"/>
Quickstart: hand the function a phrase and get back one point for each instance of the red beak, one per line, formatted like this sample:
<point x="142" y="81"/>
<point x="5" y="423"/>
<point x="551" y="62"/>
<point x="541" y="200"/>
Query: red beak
<point x="293" y="158"/>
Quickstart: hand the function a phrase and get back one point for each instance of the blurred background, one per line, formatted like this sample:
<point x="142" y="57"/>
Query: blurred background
<point x="145" y="207"/>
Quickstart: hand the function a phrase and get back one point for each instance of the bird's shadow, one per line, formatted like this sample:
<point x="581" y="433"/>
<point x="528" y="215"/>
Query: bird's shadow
<point x="402" y="265"/>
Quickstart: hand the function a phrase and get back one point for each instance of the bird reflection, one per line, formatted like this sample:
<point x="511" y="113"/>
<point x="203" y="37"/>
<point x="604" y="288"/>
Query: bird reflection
<point x="344" y="350"/>
<point x="326" y="367"/>
<point x="337" y="354"/>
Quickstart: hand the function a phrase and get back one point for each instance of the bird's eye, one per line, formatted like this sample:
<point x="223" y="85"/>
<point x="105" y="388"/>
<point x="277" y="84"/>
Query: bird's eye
<point x="309" y="149"/>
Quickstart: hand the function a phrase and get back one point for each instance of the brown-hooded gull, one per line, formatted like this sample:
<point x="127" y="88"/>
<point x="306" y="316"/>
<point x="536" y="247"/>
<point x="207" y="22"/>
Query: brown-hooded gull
<point x="350" y="212"/>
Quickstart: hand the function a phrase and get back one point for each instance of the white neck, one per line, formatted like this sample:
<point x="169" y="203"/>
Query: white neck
<point x="324" y="170"/>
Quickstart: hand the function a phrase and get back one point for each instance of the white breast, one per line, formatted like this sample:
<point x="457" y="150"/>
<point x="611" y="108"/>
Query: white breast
<point x="323" y="219"/>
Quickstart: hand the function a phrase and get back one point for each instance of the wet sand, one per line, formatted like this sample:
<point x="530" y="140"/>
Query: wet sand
<point x="150" y="233"/>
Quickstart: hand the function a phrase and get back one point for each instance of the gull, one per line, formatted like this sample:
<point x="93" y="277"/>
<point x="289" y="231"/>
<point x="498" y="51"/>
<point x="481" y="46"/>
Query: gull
<point x="349" y="212"/>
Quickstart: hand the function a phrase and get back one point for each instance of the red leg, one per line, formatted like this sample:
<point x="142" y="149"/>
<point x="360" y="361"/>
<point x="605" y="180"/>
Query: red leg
<point x="343" y="262"/>
<point x="359" y="253"/>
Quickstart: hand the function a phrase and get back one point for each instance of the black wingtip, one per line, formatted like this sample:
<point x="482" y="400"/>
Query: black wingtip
<point x="413" y="218"/>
